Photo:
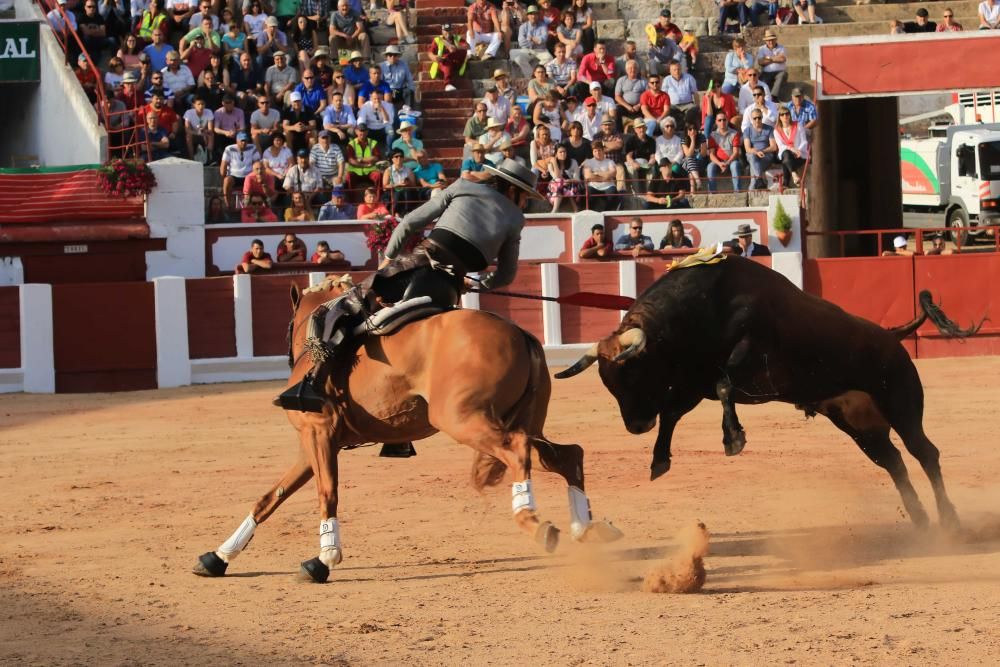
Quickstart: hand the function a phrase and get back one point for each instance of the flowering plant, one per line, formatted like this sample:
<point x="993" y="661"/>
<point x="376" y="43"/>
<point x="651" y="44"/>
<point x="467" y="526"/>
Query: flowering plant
<point x="126" y="178"/>
<point x="378" y="235"/>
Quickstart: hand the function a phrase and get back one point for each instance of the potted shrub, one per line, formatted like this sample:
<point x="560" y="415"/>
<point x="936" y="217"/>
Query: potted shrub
<point x="782" y="224"/>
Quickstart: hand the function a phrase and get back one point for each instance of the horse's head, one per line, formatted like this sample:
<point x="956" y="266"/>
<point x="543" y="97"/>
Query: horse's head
<point x="304" y="302"/>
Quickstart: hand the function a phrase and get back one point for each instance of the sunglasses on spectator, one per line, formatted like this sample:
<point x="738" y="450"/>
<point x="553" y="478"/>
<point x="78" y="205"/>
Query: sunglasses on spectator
<point x="757" y="117"/>
<point x="784" y="113"/>
<point x="307" y="78"/>
<point x="758" y="94"/>
<point x="948" y="16"/>
<point x="637" y="229"/>
<point x="397" y="157"/>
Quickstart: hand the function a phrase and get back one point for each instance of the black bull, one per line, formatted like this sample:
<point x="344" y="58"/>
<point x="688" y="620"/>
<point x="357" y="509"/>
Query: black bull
<point x="739" y="332"/>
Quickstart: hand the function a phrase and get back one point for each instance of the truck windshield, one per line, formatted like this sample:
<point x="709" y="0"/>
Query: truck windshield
<point x="989" y="160"/>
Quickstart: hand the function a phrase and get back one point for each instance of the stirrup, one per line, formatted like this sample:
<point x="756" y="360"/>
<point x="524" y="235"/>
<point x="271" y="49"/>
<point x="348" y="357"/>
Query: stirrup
<point x="301" y="397"/>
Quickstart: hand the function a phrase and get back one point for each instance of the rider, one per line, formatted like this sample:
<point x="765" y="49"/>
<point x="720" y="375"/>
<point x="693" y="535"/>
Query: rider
<point x="477" y="224"/>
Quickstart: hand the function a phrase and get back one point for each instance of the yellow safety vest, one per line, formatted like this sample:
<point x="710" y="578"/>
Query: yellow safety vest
<point x="361" y="153"/>
<point x="439" y="44"/>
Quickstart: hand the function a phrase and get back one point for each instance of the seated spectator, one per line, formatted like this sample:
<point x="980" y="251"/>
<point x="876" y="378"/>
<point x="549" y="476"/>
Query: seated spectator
<point x="539" y="87"/>
<point x="475" y="127"/>
<point x="324" y="72"/>
<point x="758" y="142"/>
<point x="155" y="136"/>
<point x="938" y="246"/>
<point x="299" y="211"/>
<point x="564" y="179"/>
<point x="541" y="152"/>
<point x="505" y="90"/>
<point x="724" y="153"/>
<point x="89" y="77"/>
<point x="246" y="82"/>
<point x="178" y="77"/>
<point x="237" y="163"/>
<point x="377" y="114"/>
<point x="738" y="62"/>
<point x="410" y="146"/>
<point x="605" y="104"/>
<point x="597" y="245"/>
<point x="497" y="106"/>
<point x="115" y="75"/>
<point x="583" y="16"/>
<point x="298" y="124"/>
<point x="234" y="39"/>
<point x="634" y="240"/>
<point x="666" y="190"/>
<point x="601" y="178"/>
<point x="664" y="27"/>
<point x="596" y="66"/>
<point x="211" y="39"/>
<point x="210" y="90"/>
<point x="265" y="122"/>
<point x="532" y="42"/>
<point x="682" y="91"/>
<point x="395" y="73"/>
<point x="747" y="90"/>
<point x="259" y="182"/>
<point x="803" y="111"/>
<point x="714" y="101"/>
<point x="774" y="61"/>
<point x="806" y="10"/>
<point x="491" y="141"/>
<point x="60" y="24"/>
<point x="639" y="150"/>
<point x="792" y="147"/>
<point x="508" y="152"/>
<point x="655" y="104"/>
<point x="577" y="145"/>
<point x="613" y="140"/>
<point x="363" y="154"/>
<point x="899" y="248"/>
<point x="767" y="109"/>
<point x="292" y="248"/>
<point x="93" y="31"/>
<point x="329" y="161"/>
<point x="166" y="117"/>
<point x="277" y="159"/>
<point x="473" y="168"/>
<point x="372" y="208"/>
<point x="199" y="129"/>
<point x="280" y="79"/>
<point x="156" y="85"/>
<point x="519" y="130"/>
<point x="920" y="23"/>
<point x="254" y="17"/>
<point x="217" y="211"/>
<point x="550" y="17"/>
<point x="324" y="255"/>
<point x="662" y="54"/>
<point x="303" y="177"/>
<point x="689" y="47"/>
<point x="668" y="145"/>
<point x="339" y="118"/>
<point x="430" y="176"/>
<point x="356" y="73"/>
<point x="548" y="113"/>
<point x="257" y="210"/>
<point x="255" y="259"/>
<point x="337" y="208"/>
<point x="347" y="31"/>
<point x="989" y="15"/>
<point x="628" y="92"/>
<point x="398" y="17"/>
<point x="785" y="15"/>
<point x="695" y="151"/>
<point x="511" y="14"/>
<point x="569" y="35"/>
<point x="561" y="71"/>
<point x="268" y="42"/>
<point x="449" y="53"/>
<point x="483" y="28"/>
<point x="675" y="237"/>
<point x="400" y="184"/>
<point x="311" y="94"/>
<point x="948" y="22"/>
<point x="229" y="121"/>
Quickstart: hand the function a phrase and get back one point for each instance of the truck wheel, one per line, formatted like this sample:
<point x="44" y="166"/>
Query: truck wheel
<point x="957" y="219"/>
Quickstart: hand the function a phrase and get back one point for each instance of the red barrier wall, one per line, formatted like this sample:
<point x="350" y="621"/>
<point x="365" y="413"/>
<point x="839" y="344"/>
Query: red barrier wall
<point x="272" y="310"/>
<point x="525" y="312"/>
<point x="104" y="337"/>
<point x="585" y="325"/>
<point x="963" y="285"/>
<point x="10" y="327"/>
<point x="211" y="318"/>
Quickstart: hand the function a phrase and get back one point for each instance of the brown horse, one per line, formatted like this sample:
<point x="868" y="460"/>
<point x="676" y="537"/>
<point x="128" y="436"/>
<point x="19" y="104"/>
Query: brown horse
<point x="467" y="373"/>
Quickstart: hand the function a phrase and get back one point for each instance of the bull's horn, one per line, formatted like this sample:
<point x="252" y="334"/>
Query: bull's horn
<point x="633" y="342"/>
<point x="582" y="364"/>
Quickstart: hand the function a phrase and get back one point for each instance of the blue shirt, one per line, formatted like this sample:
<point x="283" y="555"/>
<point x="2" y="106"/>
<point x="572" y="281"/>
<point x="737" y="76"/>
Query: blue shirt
<point x="356" y="76"/>
<point x="804" y="115"/>
<point x="431" y="173"/>
<point x="331" y="212"/>
<point x="469" y="164"/>
<point x="158" y="58"/>
<point x="311" y="99"/>
<point x="367" y="89"/>
<point x="759" y="139"/>
<point x="398" y="76"/>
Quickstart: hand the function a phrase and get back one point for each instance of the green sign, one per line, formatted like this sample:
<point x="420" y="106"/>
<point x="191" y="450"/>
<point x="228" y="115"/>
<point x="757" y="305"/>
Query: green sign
<point x="19" y="52"/>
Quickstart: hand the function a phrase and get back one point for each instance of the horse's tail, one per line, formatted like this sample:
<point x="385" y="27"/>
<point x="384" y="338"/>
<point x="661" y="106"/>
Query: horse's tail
<point x="930" y="310"/>
<point x="488" y="470"/>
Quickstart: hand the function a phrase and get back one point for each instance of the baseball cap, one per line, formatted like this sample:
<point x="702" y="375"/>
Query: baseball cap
<point x="242" y="136"/>
<point x="589" y="102"/>
<point x="271" y="20"/>
<point x="445" y="26"/>
<point x="337" y="192"/>
<point x="899" y="242"/>
<point x="295" y="96"/>
<point x="532" y="9"/>
<point x="323" y="133"/>
<point x="665" y="13"/>
<point x="302" y="153"/>
<point x="922" y="13"/>
<point x="595" y="85"/>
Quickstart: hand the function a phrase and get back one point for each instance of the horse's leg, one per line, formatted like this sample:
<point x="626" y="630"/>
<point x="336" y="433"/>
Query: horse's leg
<point x="567" y="461"/>
<point x="317" y="441"/>
<point x="214" y="563"/>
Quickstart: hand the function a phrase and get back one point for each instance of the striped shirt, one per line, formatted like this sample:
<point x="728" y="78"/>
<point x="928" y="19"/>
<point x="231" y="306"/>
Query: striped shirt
<point x="326" y="162"/>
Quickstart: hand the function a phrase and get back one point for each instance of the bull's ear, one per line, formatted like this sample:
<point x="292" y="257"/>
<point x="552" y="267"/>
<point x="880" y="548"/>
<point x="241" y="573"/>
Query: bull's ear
<point x="296" y="296"/>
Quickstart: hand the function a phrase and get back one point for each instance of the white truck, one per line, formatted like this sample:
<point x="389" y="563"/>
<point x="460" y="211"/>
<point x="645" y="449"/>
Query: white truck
<point x="955" y="171"/>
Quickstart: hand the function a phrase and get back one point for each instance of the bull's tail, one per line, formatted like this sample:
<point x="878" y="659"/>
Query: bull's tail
<point x="931" y="310"/>
<point x="488" y="470"/>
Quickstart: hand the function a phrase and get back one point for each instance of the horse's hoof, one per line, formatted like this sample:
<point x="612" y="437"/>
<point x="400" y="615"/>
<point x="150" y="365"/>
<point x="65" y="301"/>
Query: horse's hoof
<point x="736" y="444"/>
<point x="314" y="570"/>
<point x="210" y="565"/>
<point x="548" y="536"/>
<point x="598" y="532"/>
<point x="658" y="469"/>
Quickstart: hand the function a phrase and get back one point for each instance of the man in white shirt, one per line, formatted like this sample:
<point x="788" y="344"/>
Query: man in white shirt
<point x="237" y="163"/>
<point x="600" y="175"/>
<point x="377" y="115"/>
<point x="605" y="104"/>
<point x="178" y="78"/>
<point x="668" y="144"/>
<point x="497" y="106"/>
<point x="773" y="59"/>
<point x="589" y="118"/>
<point x="199" y="128"/>
<point x="682" y="90"/>
<point x="746" y="91"/>
<point x="768" y="109"/>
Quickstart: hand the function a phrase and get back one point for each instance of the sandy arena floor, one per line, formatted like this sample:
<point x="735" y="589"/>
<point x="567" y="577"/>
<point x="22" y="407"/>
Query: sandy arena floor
<point x="109" y="499"/>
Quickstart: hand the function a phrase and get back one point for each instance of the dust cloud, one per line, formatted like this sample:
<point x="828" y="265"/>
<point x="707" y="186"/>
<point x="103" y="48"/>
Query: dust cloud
<point x="684" y="570"/>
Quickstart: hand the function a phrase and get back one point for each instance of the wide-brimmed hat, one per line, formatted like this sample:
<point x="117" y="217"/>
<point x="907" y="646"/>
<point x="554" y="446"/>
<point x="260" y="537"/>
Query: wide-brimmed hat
<point x="355" y="55"/>
<point x="393" y="50"/>
<point x="770" y="34"/>
<point x="744" y="230"/>
<point x="499" y="74"/>
<point x="493" y="122"/>
<point x="405" y="125"/>
<point x="513" y="172"/>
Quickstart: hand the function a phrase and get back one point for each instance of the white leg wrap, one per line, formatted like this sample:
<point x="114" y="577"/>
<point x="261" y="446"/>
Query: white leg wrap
<point x="329" y="542"/>
<point x="521" y="496"/>
<point x="237" y="542"/>
<point x="579" y="512"/>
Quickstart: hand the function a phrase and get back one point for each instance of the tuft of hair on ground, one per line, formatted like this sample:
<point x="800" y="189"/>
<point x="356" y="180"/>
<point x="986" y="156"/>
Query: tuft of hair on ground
<point x="684" y="570"/>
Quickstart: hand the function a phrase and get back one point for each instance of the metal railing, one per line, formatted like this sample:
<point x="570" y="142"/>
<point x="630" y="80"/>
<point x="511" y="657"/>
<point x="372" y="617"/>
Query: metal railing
<point x="883" y="238"/>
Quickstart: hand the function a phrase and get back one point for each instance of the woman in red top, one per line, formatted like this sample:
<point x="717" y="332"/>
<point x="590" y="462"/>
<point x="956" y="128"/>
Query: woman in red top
<point x="714" y="102"/>
<point x="372" y="209"/>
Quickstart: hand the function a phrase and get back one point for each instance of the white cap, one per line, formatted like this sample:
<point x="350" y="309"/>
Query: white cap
<point x="595" y="84"/>
<point x="899" y="242"/>
<point x="295" y="96"/>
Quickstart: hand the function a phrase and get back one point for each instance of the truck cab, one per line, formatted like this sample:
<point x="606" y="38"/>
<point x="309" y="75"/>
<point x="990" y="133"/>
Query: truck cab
<point x="970" y="191"/>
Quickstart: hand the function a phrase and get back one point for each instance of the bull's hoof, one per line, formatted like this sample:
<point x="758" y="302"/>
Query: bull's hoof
<point x="949" y="520"/>
<point x="398" y="450"/>
<point x="210" y="565"/>
<point x="548" y="536"/>
<point x="658" y="469"/>
<point x="735" y="444"/>
<point x="314" y="570"/>
<point x="600" y="532"/>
